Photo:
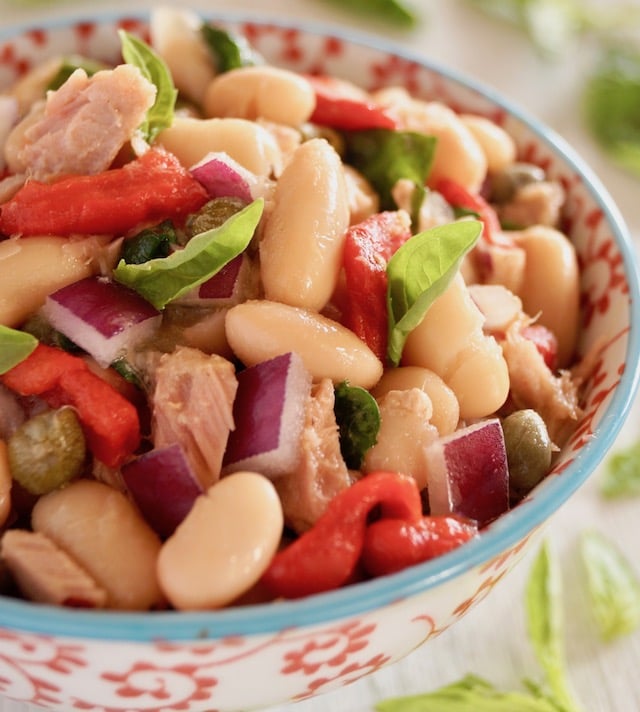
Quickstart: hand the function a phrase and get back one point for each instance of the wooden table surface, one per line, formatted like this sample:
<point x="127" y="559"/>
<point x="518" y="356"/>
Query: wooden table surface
<point x="490" y="641"/>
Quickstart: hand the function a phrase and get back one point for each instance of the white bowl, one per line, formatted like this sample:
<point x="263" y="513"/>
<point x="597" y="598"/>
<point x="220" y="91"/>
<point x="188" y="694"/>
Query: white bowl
<point x="255" y="656"/>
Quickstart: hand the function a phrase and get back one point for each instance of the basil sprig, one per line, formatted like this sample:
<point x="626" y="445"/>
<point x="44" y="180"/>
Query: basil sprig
<point x="419" y="272"/>
<point x="612" y="586"/>
<point x="164" y="279"/>
<point x="15" y="346"/>
<point x="152" y="66"/>
<point x="228" y="50"/>
<point x="358" y="419"/>
<point x="384" y="157"/>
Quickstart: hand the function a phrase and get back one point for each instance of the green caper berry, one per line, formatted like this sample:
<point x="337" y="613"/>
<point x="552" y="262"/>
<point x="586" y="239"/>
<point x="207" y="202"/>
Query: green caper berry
<point x="47" y="451"/>
<point x="213" y="214"/>
<point x="506" y="183"/>
<point x="529" y="450"/>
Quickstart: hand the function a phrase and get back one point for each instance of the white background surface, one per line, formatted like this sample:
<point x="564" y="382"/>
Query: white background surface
<point x="491" y="640"/>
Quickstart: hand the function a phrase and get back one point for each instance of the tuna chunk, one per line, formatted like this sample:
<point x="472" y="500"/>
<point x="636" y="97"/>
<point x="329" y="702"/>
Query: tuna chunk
<point x="193" y="406"/>
<point x="534" y="385"/>
<point x="85" y="123"/>
<point x="321" y="472"/>
<point x="46" y="574"/>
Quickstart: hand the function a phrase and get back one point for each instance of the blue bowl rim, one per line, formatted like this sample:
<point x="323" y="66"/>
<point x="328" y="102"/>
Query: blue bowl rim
<point x="364" y="597"/>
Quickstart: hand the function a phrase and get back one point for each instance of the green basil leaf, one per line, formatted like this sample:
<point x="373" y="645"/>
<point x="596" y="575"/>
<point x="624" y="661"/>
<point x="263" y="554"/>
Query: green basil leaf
<point x="164" y="279"/>
<point x="69" y="66"/>
<point x="545" y="625"/>
<point x="471" y="694"/>
<point x="611" y="100"/>
<point x="15" y="346"/>
<point x="386" y="10"/>
<point x="140" y="55"/>
<point x="622" y="474"/>
<point x="384" y="157"/>
<point x="612" y="585"/>
<point x="419" y="272"/>
<point x="229" y="51"/>
<point x="358" y="419"/>
<point x="149" y="243"/>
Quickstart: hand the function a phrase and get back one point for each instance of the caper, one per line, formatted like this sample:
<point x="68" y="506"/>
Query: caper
<point x="529" y="450"/>
<point x="309" y="131"/>
<point x="47" y="451"/>
<point x="506" y="183"/>
<point x="213" y="214"/>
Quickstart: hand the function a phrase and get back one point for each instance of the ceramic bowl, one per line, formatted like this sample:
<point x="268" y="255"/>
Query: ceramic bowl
<point x="110" y="662"/>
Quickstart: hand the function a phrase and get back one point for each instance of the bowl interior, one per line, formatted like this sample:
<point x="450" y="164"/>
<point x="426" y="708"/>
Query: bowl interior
<point x="610" y="316"/>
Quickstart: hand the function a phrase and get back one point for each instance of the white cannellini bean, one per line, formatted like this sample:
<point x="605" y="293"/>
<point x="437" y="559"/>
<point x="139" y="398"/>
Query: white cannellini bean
<point x="405" y="433"/>
<point x="551" y="285"/>
<point x="446" y="410"/>
<point x="498" y="146"/>
<point x="261" y="92"/>
<point x="260" y="330"/>
<point x="450" y="341"/>
<point x="224" y="545"/>
<point x="303" y="237"/>
<point x="245" y="141"/>
<point x="33" y="267"/>
<point x="176" y="36"/>
<point x="103" y="531"/>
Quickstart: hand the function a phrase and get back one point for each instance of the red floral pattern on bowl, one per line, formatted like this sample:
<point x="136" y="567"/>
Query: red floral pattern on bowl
<point x="157" y="662"/>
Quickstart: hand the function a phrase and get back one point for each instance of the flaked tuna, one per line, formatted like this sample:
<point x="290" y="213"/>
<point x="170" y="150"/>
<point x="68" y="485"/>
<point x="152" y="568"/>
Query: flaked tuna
<point x="192" y="405"/>
<point x="83" y="124"/>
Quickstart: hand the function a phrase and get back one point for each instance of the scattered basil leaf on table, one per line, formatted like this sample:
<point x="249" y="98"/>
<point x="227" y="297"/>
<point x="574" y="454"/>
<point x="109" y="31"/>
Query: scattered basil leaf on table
<point x="140" y="55"/>
<point x="358" y="419"/>
<point x="612" y="585"/>
<point x="622" y="474"/>
<point x="612" y="106"/>
<point x="471" y="694"/>
<point x="392" y="11"/>
<point x="164" y="279"/>
<point x="419" y="272"/>
<point x="229" y="51"/>
<point x="15" y="346"/>
<point x="545" y="625"/>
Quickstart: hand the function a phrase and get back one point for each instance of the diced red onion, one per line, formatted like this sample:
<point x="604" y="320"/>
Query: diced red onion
<point x="101" y="316"/>
<point x="224" y="177"/>
<point x="268" y="412"/>
<point x="233" y="284"/>
<point x="469" y="474"/>
<point x="163" y="486"/>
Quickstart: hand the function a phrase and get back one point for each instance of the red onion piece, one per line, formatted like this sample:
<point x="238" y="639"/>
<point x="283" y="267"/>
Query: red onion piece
<point x="268" y="412"/>
<point x="224" y="177"/>
<point x="234" y="283"/>
<point x="469" y="474"/>
<point x="101" y="316"/>
<point x="163" y="486"/>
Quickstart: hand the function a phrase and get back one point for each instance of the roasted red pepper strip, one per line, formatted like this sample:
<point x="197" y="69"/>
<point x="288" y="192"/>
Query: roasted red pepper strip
<point x="339" y="107"/>
<point x="368" y="247"/>
<point x="325" y="556"/>
<point x="391" y="545"/>
<point x="459" y="197"/>
<point x="110" y="422"/>
<point x="151" y="188"/>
